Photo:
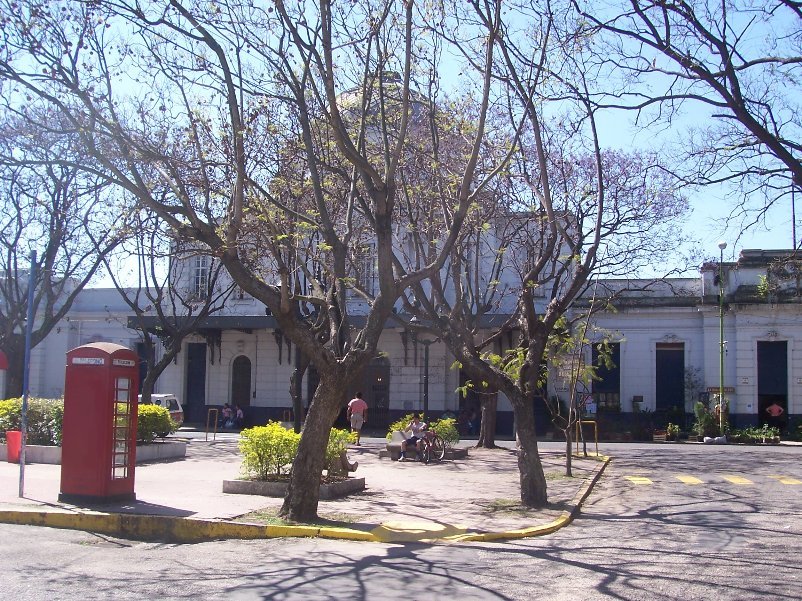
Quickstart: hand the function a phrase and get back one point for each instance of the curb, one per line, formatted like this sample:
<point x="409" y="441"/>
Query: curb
<point x="190" y="530"/>
<point x="566" y="518"/>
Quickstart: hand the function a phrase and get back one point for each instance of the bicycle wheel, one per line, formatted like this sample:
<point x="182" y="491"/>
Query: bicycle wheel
<point x="437" y="449"/>
<point x="425" y="452"/>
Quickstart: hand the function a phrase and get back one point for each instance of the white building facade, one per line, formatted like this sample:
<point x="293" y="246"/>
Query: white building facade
<point x="666" y="345"/>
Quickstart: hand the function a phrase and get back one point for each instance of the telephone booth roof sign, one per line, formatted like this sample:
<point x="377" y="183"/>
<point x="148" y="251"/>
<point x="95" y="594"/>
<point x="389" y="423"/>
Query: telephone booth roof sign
<point x="107" y="348"/>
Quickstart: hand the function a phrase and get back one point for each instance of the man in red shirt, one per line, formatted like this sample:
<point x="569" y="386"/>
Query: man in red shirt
<point x="357" y="414"/>
<point x="775" y="412"/>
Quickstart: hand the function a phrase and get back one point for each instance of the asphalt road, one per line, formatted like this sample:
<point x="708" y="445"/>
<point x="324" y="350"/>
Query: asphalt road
<point x="665" y="522"/>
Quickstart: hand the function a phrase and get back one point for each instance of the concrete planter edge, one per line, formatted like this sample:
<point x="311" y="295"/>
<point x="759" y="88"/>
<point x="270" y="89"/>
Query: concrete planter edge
<point x="279" y="489"/>
<point x="162" y="451"/>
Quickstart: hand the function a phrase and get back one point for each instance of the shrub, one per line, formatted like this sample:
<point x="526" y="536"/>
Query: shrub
<point x="401" y="424"/>
<point x="769" y="432"/>
<point x="706" y="423"/>
<point x="338" y="442"/>
<point x="268" y="450"/>
<point x="153" y="421"/>
<point x="45" y="419"/>
<point x="447" y="430"/>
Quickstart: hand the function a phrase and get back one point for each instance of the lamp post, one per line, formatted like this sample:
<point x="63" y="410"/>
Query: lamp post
<point x="721" y="246"/>
<point x="426" y="344"/>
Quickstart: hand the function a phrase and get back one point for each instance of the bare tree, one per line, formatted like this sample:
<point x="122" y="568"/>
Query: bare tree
<point x="52" y="209"/>
<point x="170" y="296"/>
<point x="224" y="93"/>
<point x="571" y="210"/>
<point x="738" y="62"/>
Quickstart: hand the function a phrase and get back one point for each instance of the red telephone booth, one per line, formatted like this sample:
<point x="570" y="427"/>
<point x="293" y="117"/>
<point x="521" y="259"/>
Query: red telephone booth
<point x="98" y="447"/>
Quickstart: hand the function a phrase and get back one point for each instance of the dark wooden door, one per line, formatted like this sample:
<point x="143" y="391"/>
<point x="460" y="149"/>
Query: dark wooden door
<point x="772" y="379"/>
<point x="670" y="384"/>
<point x="195" y="403"/>
<point x="241" y="382"/>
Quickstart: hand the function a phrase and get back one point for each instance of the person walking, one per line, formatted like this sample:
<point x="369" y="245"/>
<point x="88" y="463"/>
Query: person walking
<point x="357" y="414"/>
<point x="775" y="412"/>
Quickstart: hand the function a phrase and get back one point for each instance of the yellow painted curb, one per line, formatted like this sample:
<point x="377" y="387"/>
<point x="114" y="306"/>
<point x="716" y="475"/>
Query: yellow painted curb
<point x="347" y="534"/>
<point x="412" y="531"/>
<point x="562" y="521"/>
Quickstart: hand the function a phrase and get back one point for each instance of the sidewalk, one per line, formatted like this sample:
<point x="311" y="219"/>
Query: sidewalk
<point x="471" y="499"/>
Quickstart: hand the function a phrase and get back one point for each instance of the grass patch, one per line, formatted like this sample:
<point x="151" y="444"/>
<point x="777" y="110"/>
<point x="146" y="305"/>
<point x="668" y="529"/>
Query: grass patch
<point x="556" y="476"/>
<point x="508" y="506"/>
<point x="591" y="456"/>
<point x="269" y="517"/>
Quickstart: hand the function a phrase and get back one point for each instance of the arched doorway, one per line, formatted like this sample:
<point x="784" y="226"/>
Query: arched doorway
<point x="241" y="381"/>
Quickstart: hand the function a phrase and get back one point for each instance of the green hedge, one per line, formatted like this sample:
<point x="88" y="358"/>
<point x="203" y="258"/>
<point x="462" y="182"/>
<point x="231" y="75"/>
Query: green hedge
<point x="268" y="451"/>
<point x="446" y="428"/>
<point x="45" y="418"/>
<point x="754" y="434"/>
<point x="153" y="421"/>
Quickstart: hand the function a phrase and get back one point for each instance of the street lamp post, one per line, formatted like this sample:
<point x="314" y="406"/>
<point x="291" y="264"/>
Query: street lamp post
<point x="721" y="246"/>
<point x="426" y="344"/>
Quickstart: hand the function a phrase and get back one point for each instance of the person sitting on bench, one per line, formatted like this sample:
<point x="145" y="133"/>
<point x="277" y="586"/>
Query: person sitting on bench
<point x="416" y="426"/>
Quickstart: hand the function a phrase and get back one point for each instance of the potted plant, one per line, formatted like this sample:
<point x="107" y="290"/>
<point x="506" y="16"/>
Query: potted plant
<point x="770" y="434"/>
<point x="672" y="431"/>
<point x="705" y="424"/>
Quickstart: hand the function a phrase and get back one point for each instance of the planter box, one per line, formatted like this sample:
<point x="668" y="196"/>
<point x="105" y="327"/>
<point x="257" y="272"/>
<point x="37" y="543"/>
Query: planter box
<point x="36" y="454"/>
<point x="393" y="451"/>
<point x="159" y="451"/>
<point x="279" y="489"/>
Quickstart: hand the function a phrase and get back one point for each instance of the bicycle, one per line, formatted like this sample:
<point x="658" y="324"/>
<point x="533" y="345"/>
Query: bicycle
<point x="431" y="447"/>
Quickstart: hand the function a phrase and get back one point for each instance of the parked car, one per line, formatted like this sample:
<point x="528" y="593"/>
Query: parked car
<point x="169" y="402"/>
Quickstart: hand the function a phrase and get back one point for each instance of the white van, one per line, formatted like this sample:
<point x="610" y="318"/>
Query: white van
<point x="169" y="402"/>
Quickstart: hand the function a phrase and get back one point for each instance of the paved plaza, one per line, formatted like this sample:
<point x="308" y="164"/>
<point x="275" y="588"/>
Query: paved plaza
<point x="403" y="501"/>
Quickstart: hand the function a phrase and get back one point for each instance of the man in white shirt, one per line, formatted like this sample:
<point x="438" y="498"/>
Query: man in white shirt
<point x="416" y="426"/>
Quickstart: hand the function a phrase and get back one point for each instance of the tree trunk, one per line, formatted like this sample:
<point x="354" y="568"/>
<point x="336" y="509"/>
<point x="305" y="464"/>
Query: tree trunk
<point x="301" y="365"/>
<point x="15" y="353"/>
<point x="147" y="387"/>
<point x="156" y="369"/>
<point x="487" y="430"/>
<point x="568" y="456"/>
<point x="530" y="468"/>
<point x="303" y="493"/>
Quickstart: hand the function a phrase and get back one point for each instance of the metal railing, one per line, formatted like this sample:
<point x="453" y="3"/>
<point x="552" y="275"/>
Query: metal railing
<point x="216" y="419"/>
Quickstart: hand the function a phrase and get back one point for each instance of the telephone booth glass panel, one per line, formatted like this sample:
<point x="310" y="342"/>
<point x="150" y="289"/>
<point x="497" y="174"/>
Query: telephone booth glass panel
<point x="122" y="427"/>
